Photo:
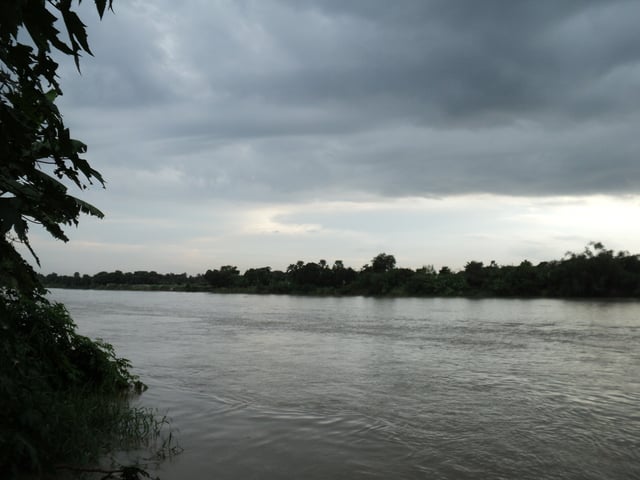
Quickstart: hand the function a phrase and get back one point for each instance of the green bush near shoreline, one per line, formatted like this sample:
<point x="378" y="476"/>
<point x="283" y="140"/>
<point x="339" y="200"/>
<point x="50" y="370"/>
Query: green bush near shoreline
<point x="65" y="399"/>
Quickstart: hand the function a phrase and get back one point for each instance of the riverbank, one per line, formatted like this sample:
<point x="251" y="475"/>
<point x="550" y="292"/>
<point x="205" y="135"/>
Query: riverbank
<point x="328" y="294"/>
<point x="68" y="401"/>
<point x="594" y="273"/>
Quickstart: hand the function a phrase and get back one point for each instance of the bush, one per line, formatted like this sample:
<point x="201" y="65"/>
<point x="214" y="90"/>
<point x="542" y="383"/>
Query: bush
<point x="64" y="399"/>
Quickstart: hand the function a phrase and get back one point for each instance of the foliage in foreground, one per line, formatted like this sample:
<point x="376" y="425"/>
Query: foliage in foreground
<point x="37" y="151"/>
<point x="65" y="399"/>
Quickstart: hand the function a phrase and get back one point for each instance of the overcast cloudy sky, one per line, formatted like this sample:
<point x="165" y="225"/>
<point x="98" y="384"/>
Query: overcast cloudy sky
<point x="261" y="132"/>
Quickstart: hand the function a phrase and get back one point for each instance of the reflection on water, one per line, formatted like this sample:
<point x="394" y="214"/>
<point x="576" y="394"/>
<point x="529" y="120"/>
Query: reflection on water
<point x="297" y="387"/>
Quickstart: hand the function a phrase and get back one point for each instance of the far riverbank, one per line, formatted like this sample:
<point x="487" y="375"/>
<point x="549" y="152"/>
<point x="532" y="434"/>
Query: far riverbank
<point x="593" y="273"/>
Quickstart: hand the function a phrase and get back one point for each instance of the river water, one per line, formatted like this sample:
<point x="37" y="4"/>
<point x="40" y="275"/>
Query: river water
<point x="285" y="387"/>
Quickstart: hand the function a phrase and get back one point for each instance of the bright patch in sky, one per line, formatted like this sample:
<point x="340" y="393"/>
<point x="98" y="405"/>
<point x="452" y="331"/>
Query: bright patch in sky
<point x="417" y="231"/>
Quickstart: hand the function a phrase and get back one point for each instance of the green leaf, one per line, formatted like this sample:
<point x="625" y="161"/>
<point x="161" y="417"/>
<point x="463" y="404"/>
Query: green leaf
<point x="51" y="95"/>
<point x="89" y="209"/>
<point x="33" y="134"/>
<point x="101" y="5"/>
<point x="77" y="30"/>
<point x="9" y="214"/>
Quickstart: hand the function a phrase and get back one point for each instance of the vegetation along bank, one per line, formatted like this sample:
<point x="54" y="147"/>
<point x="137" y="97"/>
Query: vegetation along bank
<point x="594" y="272"/>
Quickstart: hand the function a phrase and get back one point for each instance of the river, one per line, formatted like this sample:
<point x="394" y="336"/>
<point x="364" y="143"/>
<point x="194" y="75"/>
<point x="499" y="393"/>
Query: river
<point x="286" y="387"/>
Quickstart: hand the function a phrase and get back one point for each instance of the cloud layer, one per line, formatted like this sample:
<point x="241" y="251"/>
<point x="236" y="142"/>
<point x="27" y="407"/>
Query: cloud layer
<point x="202" y="113"/>
<point x="323" y="99"/>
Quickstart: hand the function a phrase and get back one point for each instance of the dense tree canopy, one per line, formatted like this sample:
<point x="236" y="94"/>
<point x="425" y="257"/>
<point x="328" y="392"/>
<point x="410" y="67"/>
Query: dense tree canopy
<point x="594" y="272"/>
<point x="37" y="151"/>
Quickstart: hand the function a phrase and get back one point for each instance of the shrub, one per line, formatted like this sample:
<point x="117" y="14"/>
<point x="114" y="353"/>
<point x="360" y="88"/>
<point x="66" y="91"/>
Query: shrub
<point x="64" y="399"/>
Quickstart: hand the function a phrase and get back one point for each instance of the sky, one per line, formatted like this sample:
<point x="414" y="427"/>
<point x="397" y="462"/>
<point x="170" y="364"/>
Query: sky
<point x="259" y="133"/>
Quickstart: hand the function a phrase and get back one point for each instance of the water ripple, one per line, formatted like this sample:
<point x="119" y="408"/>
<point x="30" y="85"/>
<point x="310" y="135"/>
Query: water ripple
<point x="292" y="387"/>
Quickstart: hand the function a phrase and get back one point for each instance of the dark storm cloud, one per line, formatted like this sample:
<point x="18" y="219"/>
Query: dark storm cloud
<point x="453" y="62"/>
<point x="314" y="99"/>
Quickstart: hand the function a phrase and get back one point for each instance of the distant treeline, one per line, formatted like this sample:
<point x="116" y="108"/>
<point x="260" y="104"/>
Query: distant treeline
<point x="595" y="272"/>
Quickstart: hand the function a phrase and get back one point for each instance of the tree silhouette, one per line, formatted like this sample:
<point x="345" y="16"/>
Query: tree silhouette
<point x="383" y="263"/>
<point x="34" y="140"/>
